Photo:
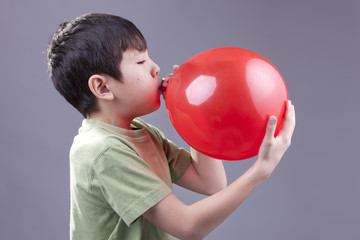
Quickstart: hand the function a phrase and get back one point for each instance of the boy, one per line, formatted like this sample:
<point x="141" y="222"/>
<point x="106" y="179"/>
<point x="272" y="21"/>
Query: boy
<point x="121" y="168"/>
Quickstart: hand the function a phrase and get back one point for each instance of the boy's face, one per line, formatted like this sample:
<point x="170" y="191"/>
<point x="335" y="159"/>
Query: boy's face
<point x="139" y="88"/>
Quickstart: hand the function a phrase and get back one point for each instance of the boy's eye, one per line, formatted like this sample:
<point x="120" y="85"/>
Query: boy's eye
<point x="141" y="62"/>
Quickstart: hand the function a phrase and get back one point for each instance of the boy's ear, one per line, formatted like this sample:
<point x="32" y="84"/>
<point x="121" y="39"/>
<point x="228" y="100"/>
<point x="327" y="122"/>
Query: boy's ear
<point x="98" y="86"/>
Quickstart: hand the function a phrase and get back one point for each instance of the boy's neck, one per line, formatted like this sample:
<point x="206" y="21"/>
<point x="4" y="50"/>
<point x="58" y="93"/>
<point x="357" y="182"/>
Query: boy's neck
<point x="113" y="120"/>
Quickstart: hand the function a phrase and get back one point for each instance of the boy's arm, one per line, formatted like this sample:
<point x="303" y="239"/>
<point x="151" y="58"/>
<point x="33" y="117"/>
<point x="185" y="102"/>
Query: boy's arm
<point x="199" y="219"/>
<point x="205" y="175"/>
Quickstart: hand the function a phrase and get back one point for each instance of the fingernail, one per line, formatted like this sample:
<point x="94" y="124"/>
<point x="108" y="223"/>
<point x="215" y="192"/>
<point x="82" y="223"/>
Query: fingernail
<point x="272" y="120"/>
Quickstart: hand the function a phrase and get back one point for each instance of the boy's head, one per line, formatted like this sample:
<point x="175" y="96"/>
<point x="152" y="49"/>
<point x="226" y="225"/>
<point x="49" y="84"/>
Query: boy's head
<point x="90" y="44"/>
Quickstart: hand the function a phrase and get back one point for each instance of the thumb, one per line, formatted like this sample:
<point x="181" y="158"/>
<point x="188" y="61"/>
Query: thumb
<point x="270" y="128"/>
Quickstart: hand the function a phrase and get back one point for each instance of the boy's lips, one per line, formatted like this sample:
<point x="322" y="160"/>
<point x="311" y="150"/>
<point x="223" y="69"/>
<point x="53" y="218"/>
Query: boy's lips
<point x="162" y="89"/>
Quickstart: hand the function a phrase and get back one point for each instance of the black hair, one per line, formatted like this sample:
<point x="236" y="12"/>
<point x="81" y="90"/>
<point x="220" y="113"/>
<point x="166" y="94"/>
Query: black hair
<point x="90" y="44"/>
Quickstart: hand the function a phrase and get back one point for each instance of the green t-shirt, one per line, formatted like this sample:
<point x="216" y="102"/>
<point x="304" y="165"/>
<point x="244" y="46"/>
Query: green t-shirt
<point x="116" y="175"/>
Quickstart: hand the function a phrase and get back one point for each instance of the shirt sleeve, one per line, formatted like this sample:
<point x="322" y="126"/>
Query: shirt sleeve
<point x="178" y="158"/>
<point x="128" y="183"/>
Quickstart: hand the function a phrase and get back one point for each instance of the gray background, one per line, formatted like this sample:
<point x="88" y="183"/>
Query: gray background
<point x="313" y="194"/>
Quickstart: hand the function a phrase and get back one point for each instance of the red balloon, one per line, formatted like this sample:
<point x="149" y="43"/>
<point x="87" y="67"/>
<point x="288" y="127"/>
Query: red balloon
<point x="220" y="100"/>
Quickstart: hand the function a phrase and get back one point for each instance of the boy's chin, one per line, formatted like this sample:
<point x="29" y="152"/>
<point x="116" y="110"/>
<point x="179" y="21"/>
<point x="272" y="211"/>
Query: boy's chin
<point x="158" y="105"/>
<point x="155" y="107"/>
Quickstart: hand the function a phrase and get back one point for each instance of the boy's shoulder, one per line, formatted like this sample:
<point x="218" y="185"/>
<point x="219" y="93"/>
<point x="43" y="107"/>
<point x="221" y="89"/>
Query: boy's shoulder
<point x="95" y="137"/>
<point x="89" y="143"/>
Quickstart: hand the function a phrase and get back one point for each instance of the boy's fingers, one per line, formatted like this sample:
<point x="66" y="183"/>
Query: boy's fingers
<point x="289" y="123"/>
<point x="175" y="67"/>
<point x="270" y="128"/>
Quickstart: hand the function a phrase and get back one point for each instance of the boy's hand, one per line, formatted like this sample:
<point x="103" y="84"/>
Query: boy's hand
<point x="165" y="81"/>
<point x="272" y="149"/>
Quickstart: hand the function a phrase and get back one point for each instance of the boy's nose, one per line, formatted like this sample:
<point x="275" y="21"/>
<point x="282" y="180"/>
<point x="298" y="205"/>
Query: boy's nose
<point x="155" y="71"/>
